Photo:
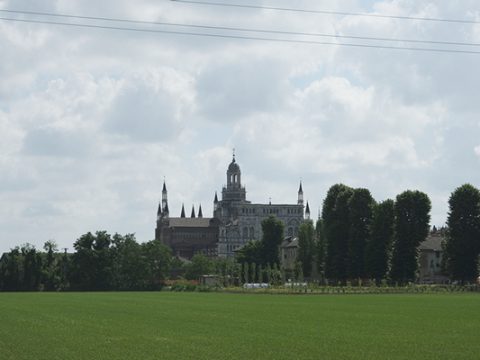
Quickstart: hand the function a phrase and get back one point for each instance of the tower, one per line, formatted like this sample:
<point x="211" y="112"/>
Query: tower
<point x="164" y="200"/>
<point x="234" y="190"/>
<point x="300" y="195"/>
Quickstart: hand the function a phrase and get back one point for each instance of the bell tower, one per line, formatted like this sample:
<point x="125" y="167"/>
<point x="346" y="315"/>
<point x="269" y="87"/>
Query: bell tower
<point x="234" y="191"/>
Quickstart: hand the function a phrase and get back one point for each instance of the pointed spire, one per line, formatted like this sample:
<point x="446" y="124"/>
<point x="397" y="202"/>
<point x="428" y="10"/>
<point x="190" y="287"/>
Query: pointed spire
<point x="300" y="194"/>
<point x="200" y="214"/>
<point x="307" y="209"/>
<point x="193" y="212"/>
<point x="183" y="212"/>
<point x="165" y="209"/>
<point x="159" y="211"/>
<point x="215" y="200"/>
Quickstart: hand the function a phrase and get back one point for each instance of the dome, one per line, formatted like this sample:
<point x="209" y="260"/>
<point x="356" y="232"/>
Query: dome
<point x="233" y="167"/>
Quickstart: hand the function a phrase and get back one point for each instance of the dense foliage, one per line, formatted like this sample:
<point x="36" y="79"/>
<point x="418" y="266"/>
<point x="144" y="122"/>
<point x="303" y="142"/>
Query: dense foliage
<point x="463" y="240"/>
<point x="412" y="224"/>
<point x="354" y="240"/>
<point x="378" y="250"/>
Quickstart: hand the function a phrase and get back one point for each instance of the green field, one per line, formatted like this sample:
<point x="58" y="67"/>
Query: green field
<point x="163" y="325"/>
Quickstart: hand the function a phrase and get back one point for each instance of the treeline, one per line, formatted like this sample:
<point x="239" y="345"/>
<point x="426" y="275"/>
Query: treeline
<point x="102" y="262"/>
<point x="355" y="239"/>
<point x="358" y="238"/>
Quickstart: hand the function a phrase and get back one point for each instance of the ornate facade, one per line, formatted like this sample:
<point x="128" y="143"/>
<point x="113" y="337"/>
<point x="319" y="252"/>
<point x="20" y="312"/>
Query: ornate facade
<point x="241" y="221"/>
<point x="235" y="221"/>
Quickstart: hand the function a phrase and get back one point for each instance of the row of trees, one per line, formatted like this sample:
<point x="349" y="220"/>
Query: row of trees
<point x="355" y="238"/>
<point x="361" y="238"/>
<point x="358" y="238"/>
<point x="100" y="262"/>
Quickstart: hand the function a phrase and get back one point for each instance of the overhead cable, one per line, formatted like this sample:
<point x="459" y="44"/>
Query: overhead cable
<point x="242" y="29"/>
<point x="225" y="36"/>
<point x="326" y="12"/>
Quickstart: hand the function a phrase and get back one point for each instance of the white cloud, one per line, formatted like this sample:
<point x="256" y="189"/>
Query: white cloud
<point x="92" y="120"/>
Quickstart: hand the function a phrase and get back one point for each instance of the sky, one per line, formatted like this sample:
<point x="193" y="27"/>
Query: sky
<point x="93" y="120"/>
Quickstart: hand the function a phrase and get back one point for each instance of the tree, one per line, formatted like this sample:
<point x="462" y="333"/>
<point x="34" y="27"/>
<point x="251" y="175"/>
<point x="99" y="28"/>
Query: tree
<point x="158" y="259"/>
<point x="360" y="215"/>
<point x="251" y="252"/>
<point x="200" y="265"/>
<point x="378" y="250"/>
<point x="272" y="229"/>
<point x="335" y="214"/>
<point x="463" y="237"/>
<point x="129" y="265"/>
<point x="320" y="248"/>
<point x="32" y="267"/>
<point x="51" y="271"/>
<point x="412" y="218"/>
<point x="306" y="246"/>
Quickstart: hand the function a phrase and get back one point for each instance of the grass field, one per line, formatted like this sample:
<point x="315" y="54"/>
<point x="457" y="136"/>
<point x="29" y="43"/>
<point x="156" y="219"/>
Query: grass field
<point x="165" y="325"/>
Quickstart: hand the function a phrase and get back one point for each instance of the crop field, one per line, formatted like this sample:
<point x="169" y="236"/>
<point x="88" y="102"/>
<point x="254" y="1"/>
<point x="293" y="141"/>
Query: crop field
<point x="167" y="325"/>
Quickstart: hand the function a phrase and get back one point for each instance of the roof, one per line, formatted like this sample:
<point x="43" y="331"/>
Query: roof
<point x="233" y="167"/>
<point x="189" y="222"/>
<point x="290" y="242"/>
<point x="433" y="242"/>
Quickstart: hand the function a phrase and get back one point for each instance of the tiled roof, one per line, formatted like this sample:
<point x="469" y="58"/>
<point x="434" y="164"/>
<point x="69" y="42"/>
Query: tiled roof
<point x="433" y="242"/>
<point x="189" y="222"/>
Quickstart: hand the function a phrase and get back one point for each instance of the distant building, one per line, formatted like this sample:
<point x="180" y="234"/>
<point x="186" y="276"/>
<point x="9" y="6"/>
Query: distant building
<point x="289" y="253"/>
<point x="186" y="236"/>
<point x="235" y="221"/>
<point x="241" y="221"/>
<point x="430" y="259"/>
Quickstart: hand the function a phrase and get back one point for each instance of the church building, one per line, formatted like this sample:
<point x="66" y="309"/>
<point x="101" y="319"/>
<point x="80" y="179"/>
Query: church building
<point x="235" y="221"/>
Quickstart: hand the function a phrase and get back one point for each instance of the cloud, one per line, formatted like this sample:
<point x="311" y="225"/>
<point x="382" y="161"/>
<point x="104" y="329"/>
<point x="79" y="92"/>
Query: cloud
<point x="477" y="150"/>
<point x="151" y="106"/>
<point x="233" y="89"/>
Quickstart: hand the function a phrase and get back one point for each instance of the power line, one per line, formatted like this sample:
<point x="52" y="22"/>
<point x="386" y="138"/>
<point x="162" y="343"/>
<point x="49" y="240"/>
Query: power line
<point x="229" y="28"/>
<point x="224" y="36"/>
<point x="326" y="12"/>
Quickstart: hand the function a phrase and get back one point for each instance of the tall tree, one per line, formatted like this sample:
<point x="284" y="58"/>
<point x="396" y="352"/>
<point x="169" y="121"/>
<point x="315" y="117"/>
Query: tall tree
<point x="306" y="246"/>
<point x="378" y="250"/>
<point x="129" y="264"/>
<point x="412" y="218"/>
<point x="320" y="248"/>
<point x="51" y="271"/>
<point x="92" y="262"/>
<point x="272" y="229"/>
<point x="463" y="237"/>
<point x="360" y="214"/>
<point x="159" y="259"/>
<point x="335" y="214"/>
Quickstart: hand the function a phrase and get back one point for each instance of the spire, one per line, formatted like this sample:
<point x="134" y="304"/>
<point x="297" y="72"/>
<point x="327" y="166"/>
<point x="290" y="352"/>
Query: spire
<point x="159" y="211"/>
<point x="193" y="212"/>
<point x="215" y="200"/>
<point x="300" y="194"/>
<point x="183" y="212"/>
<point x="164" y="199"/>
<point x="200" y="214"/>
<point x="307" y="212"/>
